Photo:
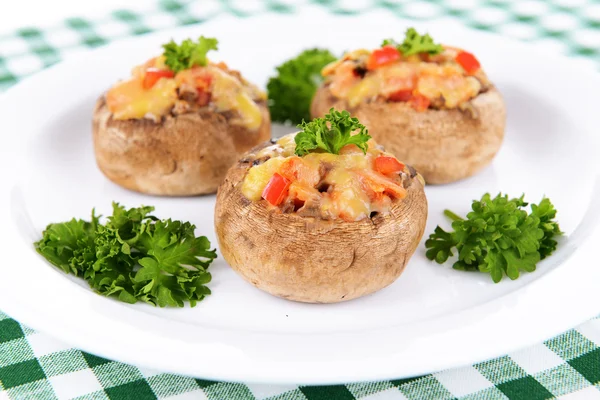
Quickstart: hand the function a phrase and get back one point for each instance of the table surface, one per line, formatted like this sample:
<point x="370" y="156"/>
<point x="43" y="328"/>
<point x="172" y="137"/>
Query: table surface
<point x="35" y="366"/>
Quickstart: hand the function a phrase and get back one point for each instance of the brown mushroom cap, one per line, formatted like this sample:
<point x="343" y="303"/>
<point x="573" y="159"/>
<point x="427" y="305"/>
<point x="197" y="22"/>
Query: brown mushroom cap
<point x="443" y="145"/>
<point x="313" y="260"/>
<point x="183" y="155"/>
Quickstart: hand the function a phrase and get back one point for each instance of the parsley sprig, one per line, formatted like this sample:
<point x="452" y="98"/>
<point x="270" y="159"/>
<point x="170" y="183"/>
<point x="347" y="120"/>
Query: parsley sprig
<point x="292" y="89"/>
<point x="331" y="133"/>
<point x="134" y="256"/>
<point x="498" y="237"/>
<point x="414" y="43"/>
<point x="188" y="54"/>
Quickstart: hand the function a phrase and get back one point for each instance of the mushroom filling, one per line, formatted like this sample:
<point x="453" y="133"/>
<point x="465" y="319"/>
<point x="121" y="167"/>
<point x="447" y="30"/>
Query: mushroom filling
<point x="155" y="91"/>
<point x="350" y="186"/>
<point x="447" y="80"/>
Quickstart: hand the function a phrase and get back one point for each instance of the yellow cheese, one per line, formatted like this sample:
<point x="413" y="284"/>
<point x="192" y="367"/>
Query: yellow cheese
<point x="347" y="199"/>
<point x="129" y="100"/>
<point x="259" y="176"/>
<point x="229" y="94"/>
<point x="368" y="87"/>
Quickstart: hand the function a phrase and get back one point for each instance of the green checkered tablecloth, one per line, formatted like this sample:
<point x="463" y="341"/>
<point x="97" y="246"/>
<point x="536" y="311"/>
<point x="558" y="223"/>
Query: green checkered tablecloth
<point x="35" y="366"/>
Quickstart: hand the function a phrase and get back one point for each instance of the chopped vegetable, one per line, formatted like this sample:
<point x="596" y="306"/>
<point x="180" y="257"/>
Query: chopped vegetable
<point x="388" y="165"/>
<point x="331" y="133"/>
<point x="292" y="89"/>
<point x="419" y="102"/>
<point x="498" y="237"/>
<point x="154" y="74"/>
<point x="383" y="56"/>
<point x="276" y="189"/>
<point x="414" y="43"/>
<point x="179" y="57"/>
<point x="203" y="97"/>
<point x="401" y="95"/>
<point x="380" y="184"/>
<point x="134" y="256"/>
<point x="468" y="62"/>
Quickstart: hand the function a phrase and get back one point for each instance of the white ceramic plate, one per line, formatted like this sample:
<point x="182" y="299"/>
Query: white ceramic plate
<point x="432" y="318"/>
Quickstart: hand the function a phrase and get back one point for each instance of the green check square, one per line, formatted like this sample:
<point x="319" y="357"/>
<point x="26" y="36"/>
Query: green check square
<point x="116" y="374"/>
<point x="136" y="390"/>
<point x="125" y="15"/>
<point x="133" y="20"/>
<point x="295" y="394"/>
<point x="586" y="51"/>
<point x="570" y="345"/>
<point x="10" y="330"/>
<point x="492" y="393"/>
<point x="38" y="390"/>
<point x="7" y="80"/>
<point x="43" y="50"/>
<point x="29" y="33"/>
<point x="14" y="352"/>
<point x="526" y="388"/>
<point x="165" y="385"/>
<point x="99" y="395"/>
<point x="280" y="8"/>
<point x="500" y="370"/>
<point x="401" y="382"/>
<point x="77" y="23"/>
<point x="94" y="361"/>
<point x="561" y="380"/>
<point x="62" y="362"/>
<point x="140" y="30"/>
<point x="337" y="392"/>
<point x="21" y="373"/>
<point x="171" y="5"/>
<point x="203" y="383"/>
<point x="94" y="41"/>
<point x="426" y="388"/>
<point x="588" y="365"/>
<point x="359" y="390"/>
<point x="235" y="391"/>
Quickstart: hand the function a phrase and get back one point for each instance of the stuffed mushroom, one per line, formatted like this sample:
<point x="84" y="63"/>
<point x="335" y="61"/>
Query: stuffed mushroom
<point x="320" y="216"/>
<point x="430" y="105"/>
<point x="177" y="125"/>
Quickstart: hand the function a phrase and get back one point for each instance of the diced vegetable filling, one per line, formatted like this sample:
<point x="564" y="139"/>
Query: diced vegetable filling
<point x="350" y="185"/>
<point x="418" y="72"/>
<point x="157" y="88"/>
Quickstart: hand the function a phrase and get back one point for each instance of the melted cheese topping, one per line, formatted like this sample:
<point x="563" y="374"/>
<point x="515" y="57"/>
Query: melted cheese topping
<point x="439" y="78"/>
<point x="325" y="185"/>
<point x="226" y="91"/>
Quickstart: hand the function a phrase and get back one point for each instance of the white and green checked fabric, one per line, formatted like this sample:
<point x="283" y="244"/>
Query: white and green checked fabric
<point x="34" y="366"/>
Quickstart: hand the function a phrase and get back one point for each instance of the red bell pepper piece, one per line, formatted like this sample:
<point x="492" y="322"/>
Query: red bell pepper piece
<point x="468" y="62"/>
<point x="401" y="95"/>
<point x="382" y="56"/>
<point x="276" y="189"/>
<point x="154" y="74"/>
<point x="419" y="102"/>
<point x="388" y="165"/>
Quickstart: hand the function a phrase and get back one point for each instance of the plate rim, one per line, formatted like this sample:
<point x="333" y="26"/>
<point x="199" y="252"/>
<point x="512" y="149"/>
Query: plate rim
<point x="40" y="323"/>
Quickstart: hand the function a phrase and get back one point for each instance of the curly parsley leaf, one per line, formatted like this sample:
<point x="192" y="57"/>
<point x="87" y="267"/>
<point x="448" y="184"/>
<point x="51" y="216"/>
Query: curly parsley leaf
<point x="69" y="245"/>
<point x="498" y="237"/>
<point x="440" y="246"/>
<point x="188" y="54"/>
<point x="291" y="91"/>
<point x="546" y="212"/>
<point x="134" y="256"/>
<point x="414" y="43"/>
<point x="331" y="133"/>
